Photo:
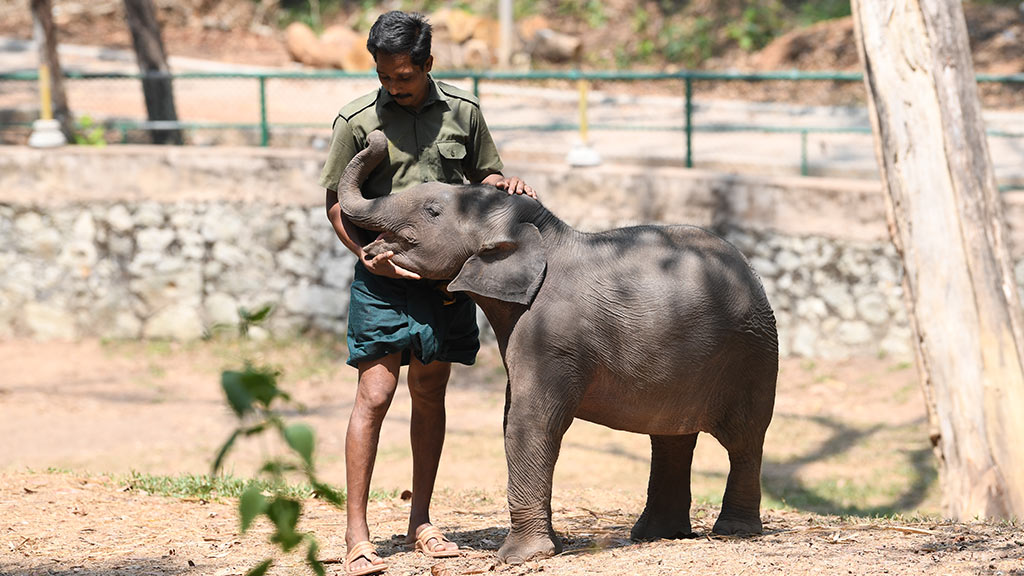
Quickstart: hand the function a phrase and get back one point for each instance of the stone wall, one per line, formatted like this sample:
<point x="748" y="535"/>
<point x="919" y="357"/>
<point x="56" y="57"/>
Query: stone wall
<point x="150" y="242"/>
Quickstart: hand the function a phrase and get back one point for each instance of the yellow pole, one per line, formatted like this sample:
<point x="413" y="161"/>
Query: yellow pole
<point x="583" y="110"/>
<point x="45" y="99"/>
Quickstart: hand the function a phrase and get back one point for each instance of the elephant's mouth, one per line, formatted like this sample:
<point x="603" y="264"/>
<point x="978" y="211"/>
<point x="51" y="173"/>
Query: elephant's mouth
<point x="396" y="242"/>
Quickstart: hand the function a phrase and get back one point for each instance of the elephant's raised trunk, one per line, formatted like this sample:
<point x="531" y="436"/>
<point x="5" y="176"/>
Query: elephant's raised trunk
<point x="357" y="208"/>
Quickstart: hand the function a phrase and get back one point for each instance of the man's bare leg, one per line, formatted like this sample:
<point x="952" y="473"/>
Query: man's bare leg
<point x="427" y="386"/>
<point x="378" y="380"/>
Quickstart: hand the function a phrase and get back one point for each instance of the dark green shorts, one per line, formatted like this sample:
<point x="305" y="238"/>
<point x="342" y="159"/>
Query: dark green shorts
<point x="387" y="315"/>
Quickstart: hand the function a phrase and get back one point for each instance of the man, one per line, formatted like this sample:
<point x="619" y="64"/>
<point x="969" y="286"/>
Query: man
<point x="435" y="133"/>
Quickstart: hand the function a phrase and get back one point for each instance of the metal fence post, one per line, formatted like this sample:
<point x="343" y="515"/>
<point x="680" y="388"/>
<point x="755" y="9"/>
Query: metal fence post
<point x="264" y="127"/>
<point x="689" y="121"/>
<point x="803" y="153"/>
<point x="476" y="86"/>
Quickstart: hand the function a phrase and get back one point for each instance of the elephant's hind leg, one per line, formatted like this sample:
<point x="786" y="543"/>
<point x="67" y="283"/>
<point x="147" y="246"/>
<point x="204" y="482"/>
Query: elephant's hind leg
<point x="741" y="505"/>
<point x="667" y="514"/>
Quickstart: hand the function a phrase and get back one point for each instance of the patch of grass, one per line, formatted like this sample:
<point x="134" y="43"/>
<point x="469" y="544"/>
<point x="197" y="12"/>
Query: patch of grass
<point x="900" y="367"/>
<point x="204" y="486"/>
<point x="213" y="488"/>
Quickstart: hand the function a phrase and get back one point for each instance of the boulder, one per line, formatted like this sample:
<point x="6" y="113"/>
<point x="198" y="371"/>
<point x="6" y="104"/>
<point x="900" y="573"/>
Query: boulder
<point x="301" y="43"/>
<point x="477" y="55"/>
<point x="555" y="46"/>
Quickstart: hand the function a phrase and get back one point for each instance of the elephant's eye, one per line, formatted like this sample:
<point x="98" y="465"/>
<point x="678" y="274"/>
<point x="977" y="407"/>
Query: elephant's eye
<point x="432" y="209"/>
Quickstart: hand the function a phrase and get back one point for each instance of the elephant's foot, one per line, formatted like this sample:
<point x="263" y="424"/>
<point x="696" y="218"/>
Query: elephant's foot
<point x="519" y="549"/>
<point x="651" y="527"/>
<point x="737" y="526"/>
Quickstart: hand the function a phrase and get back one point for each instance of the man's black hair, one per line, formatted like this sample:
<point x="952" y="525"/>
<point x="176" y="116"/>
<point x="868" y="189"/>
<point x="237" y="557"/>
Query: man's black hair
<point x="401" y="33"/>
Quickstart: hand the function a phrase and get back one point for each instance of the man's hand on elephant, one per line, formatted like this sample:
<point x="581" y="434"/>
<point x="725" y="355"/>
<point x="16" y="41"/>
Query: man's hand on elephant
<point x="514" y="185"/>
<point x="382" y="265"/>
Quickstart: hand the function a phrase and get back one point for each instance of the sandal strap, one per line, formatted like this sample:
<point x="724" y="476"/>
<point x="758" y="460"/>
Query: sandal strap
<point x="363" y="549"/>
<point x="431" y="533"/>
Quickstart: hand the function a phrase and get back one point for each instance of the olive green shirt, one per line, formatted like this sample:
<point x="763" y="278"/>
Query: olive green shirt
<point x="446" y="141"/>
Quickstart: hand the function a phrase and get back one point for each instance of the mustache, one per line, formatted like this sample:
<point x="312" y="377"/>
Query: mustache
<point x="401" y="96"/>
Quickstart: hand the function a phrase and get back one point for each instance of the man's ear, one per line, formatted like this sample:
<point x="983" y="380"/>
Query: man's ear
<point x="509" y="268"/>
<point x="428" y="64"/>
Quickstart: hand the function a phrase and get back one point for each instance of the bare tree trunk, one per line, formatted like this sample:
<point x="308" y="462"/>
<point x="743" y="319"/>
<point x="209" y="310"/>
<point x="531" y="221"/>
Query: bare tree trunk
<point x="46" y="35"/>
<point x="156" y="83"/>
<point x="945" y="216"/>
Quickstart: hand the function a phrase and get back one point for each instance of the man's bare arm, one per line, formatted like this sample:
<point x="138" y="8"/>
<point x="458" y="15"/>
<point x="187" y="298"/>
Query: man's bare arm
<point x="348" y="233"/>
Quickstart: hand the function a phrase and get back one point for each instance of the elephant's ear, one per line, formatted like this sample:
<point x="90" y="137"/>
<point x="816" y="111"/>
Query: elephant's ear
<point x="509" y="268"/>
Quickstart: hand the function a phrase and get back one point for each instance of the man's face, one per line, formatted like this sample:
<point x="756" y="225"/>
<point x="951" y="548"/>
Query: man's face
<point x="407" y="83"/>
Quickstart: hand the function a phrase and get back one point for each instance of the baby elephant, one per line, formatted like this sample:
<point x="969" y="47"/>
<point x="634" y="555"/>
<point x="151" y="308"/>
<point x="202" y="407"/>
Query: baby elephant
<point x="660" y="330"/>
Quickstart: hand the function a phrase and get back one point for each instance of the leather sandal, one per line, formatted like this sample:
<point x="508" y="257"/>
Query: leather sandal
<point x="363" y="550"/>
<point x="423" y="543"/>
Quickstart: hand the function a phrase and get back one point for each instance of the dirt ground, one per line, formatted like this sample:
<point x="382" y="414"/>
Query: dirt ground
<point x="847" y="444"/>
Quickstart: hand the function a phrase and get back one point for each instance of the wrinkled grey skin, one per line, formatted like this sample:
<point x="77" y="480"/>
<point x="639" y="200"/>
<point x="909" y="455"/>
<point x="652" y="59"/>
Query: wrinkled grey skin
<point x="658" y="330"/>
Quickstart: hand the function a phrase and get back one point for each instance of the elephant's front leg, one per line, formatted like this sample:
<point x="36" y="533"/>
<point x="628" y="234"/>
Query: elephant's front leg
<point x="534" y="427"/>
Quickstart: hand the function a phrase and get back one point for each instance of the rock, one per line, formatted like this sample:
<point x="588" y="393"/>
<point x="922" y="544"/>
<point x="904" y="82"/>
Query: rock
<point x="228" y="254"/>
<point x="299" y="265"/>
<point x="853" y="264"/>
<point x="221" y="309"/>
<point x="119" y="219"/>
<point x="344" y="48"/>
<point x="810" y="309"/>
<point x="788" y="261"/>
<point x="461" y="25"/>
<point x="84" y="229"/>
<point x="18" y="278"/>
<point x="154" y="240"/>
<point x="109" y="319"/>
<point x="175" y="322"/>
<point x="312" y="301"/>
<point x="874" y="309"/>
<point x="854" y="333"/>
<point x="222" y="223"/>
<point x="301" y="43"/>
<point x="488" y="32"/>
<point x="529" y="26"/>
<point x="78" y="257"/>
<point x="477" y="55"/>
<point x="337" y="272"/>
<point x="46" y="321"/>
<point x="805" y="340"/>
<point x="37" y="236"/>
<point x="555" y="47"/>
<point x="149" y="214"/>
<point x="764" y="266"/>
<point x="839" y="299"/>
<point x="278" y="235"/>
<point x="193" y="246"/>
<point x="177" y="283"/>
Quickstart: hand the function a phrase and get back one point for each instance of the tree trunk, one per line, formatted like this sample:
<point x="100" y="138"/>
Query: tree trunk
<point x="156" y="82"/>
<point x="945" y="218"/>
<point x="46" y="36"/>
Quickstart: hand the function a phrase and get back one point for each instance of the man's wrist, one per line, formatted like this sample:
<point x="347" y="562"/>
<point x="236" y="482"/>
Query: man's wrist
<point x="493" y="179"/>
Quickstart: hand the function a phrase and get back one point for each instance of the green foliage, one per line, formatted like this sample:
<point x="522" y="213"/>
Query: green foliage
<point x="757" y="26"/>
<point x="523" y="8"/>
<point x="811" y="12"/>
<point x="89" y="132"/>
<point x="590" y="11"/>
<point x="254" y="397"/>
<point x="690" y="44"/>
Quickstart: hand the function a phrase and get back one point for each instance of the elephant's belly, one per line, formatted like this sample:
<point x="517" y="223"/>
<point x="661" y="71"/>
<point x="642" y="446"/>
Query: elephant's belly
<point x="640" y="412"/>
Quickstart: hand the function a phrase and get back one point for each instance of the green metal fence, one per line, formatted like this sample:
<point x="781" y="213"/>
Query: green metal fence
<point x="252" y="111"/>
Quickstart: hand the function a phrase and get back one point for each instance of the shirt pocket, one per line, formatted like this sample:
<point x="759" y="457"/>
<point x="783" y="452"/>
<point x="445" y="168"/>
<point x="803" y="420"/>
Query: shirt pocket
<point x="452" y="155"/>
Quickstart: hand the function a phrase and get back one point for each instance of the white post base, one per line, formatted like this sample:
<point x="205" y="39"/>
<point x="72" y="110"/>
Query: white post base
<point x="583" y="155"/>
<point x="46" y="134"/>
